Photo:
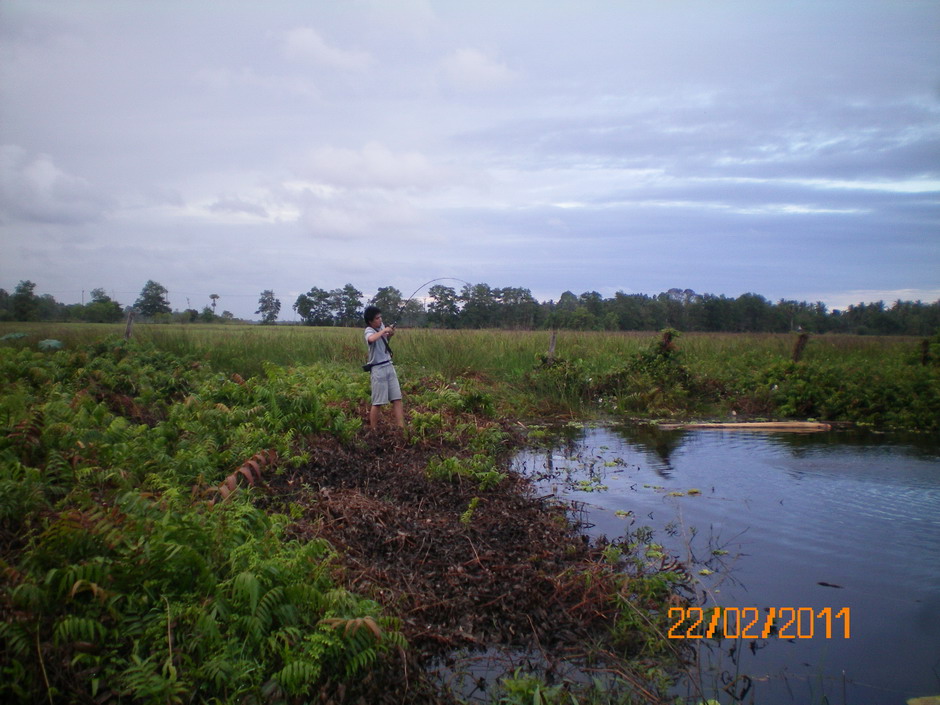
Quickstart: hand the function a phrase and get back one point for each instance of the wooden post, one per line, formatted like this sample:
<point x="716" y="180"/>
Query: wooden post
<point x="130" y="325"/>
<point x="550" y="358"/>
<point x="799" y="346"/>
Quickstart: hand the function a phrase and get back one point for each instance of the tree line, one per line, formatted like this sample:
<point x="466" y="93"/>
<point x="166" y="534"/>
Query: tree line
<point x="25" y="305"/>
<point x="482" y="306"/>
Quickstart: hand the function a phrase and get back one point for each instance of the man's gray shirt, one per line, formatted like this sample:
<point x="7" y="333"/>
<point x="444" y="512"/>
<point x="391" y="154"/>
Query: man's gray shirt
<point x="378" y="351"/>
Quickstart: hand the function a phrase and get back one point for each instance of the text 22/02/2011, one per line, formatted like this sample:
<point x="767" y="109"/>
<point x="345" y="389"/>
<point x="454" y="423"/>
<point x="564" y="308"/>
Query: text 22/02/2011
<point x="748" y="623"/>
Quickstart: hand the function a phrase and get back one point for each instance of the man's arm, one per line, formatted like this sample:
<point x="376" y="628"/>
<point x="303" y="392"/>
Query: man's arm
<point x="386" y="332"/>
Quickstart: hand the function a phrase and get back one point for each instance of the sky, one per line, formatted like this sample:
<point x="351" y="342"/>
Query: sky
<point x="786" y="148"/>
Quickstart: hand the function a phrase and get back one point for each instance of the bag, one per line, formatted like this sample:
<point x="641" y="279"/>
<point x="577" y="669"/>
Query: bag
<point x="369" y="365"/>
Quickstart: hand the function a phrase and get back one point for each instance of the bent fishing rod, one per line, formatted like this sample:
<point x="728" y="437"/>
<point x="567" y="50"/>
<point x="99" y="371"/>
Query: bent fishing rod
<point x="401" y="307"/>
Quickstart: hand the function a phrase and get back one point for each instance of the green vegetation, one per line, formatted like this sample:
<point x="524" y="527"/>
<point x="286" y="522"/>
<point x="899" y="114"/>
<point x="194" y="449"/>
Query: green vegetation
<point x="124" y="574"/>
<point x="889" y="382"/>
<point x="131" y="570"/>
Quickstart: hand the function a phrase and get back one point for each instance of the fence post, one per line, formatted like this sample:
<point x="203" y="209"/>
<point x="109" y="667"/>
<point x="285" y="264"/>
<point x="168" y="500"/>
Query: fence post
<point x="799" y="346"/>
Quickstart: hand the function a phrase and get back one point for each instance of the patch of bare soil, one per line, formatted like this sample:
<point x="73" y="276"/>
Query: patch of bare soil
<point x="510" y="573"/>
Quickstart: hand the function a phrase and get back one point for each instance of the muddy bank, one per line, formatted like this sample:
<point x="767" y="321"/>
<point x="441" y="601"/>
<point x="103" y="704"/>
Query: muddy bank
<point x="462" y="567"/>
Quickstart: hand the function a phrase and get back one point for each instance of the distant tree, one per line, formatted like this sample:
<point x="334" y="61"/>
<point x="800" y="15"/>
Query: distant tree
<point x="335" y="304"/>
<point x="753" y="313"/>
<point x="571" y="312"/>
<point x="443" y="310"/>
<point x="152" y="300"/>
<point x="102" y="308"/>
<point x="388" y="299"/>
<point x="631" y="311"/>
<point x="227" y="316"/>
<point x="215" y="298"/>
<point x="48" y="309"/>
<point x="314" y="307"/>
<point x="915" y="317"/>
<point x="6" y="307"/>
<point x="269" y="307"/>
<point x="715" y="313"/>
<point x="593" y="302"/>
<point x="24" y="303"/>
<point x="413" y="313"/>
<point x="75" y="312"/>
<point x="207" y="315"/>
<point x="479" y="306"/>
<point x="346" y="305"/>
<point x="610" y="321"/>
<point x="567" y="301"/>
<point x="518" y="308"/>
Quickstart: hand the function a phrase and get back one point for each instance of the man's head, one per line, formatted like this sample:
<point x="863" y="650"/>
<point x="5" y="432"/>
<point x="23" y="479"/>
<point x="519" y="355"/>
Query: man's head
<point x="371" y="313"/>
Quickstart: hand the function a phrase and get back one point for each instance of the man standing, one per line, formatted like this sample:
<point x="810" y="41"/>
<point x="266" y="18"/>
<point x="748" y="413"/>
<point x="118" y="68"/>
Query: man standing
<point x="385" y="387"/>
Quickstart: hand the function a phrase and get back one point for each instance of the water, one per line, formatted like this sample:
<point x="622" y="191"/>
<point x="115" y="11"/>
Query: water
<point x="818" y="520"/>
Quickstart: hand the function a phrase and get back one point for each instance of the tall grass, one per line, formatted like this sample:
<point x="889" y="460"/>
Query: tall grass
<point x="750" y="373"/>
<point x="499" y="354"/>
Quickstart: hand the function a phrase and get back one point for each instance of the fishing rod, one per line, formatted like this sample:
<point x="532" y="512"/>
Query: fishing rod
<point x="402" y="306"/>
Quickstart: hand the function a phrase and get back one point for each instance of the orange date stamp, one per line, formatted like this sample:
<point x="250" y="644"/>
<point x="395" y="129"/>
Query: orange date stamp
<point x="749" y="623"/>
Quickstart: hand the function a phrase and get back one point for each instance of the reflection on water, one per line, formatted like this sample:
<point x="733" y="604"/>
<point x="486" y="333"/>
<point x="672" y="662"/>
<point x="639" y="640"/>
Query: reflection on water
<point x="785" y="520"/>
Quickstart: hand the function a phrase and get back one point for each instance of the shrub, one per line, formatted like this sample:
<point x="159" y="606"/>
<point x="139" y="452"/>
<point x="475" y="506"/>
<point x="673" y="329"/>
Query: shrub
<point x="120" y="578"/>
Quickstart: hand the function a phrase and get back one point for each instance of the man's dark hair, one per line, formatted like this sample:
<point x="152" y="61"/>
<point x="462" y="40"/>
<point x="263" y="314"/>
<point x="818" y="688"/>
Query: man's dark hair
<point x="370" y="313"/>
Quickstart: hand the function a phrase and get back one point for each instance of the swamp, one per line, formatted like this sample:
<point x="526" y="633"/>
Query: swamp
<point x="200" y="515"/>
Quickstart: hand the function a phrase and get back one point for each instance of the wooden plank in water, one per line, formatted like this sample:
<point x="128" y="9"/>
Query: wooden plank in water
<point x="792" y="426"/>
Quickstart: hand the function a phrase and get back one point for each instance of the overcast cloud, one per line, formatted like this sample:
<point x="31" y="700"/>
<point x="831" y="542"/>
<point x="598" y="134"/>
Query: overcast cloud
<point x="787" y="148"/>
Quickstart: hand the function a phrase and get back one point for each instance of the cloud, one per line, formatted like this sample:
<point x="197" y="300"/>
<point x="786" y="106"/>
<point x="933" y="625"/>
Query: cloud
<point x="237" y="206"/>
<point x="373" y="166"/>
<point x="305" y="44"/>
<point x="473" y="70"/>
<point x="843" y="299"/>
<point x="220" y="79"/>
<point x="359" y="216"/>
<point x="351" y="194"/>
<point x="34" y="189"/>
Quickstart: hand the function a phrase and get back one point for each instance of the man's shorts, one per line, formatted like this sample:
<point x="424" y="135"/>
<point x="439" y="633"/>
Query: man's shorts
<point x="385" y="387"/>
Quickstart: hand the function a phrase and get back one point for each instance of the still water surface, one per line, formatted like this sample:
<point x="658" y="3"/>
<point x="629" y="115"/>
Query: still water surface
<point x="808" y="520"/>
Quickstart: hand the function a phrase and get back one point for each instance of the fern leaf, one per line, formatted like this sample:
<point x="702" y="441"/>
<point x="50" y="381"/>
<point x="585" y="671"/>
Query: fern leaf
<point x="77" y="629"/>
<point x="17" y="637"/>
<point x="247" y="587"/>
<point x="361" y="660"/>
<point x="298" y="676"/>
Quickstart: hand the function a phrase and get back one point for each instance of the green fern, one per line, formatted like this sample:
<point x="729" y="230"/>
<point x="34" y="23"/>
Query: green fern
<point x="17" y="638"/>
<point x="126" y="572"/>
<point x="71" y="629"/>
<point x="297" y="677"/>
<point x="22" y="492"/>
<point x="149" y="681"/>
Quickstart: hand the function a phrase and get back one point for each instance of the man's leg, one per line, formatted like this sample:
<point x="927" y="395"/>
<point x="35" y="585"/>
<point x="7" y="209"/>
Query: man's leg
<point x="399" y="412"/>
<point x="374" y="416"/>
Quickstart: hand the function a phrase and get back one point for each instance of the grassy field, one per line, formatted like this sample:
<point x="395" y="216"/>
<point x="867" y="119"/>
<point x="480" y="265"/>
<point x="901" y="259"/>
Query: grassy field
<point x="497" y="353"/>
<point x="872" y="380"/>
<point x="877" y="381"/>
